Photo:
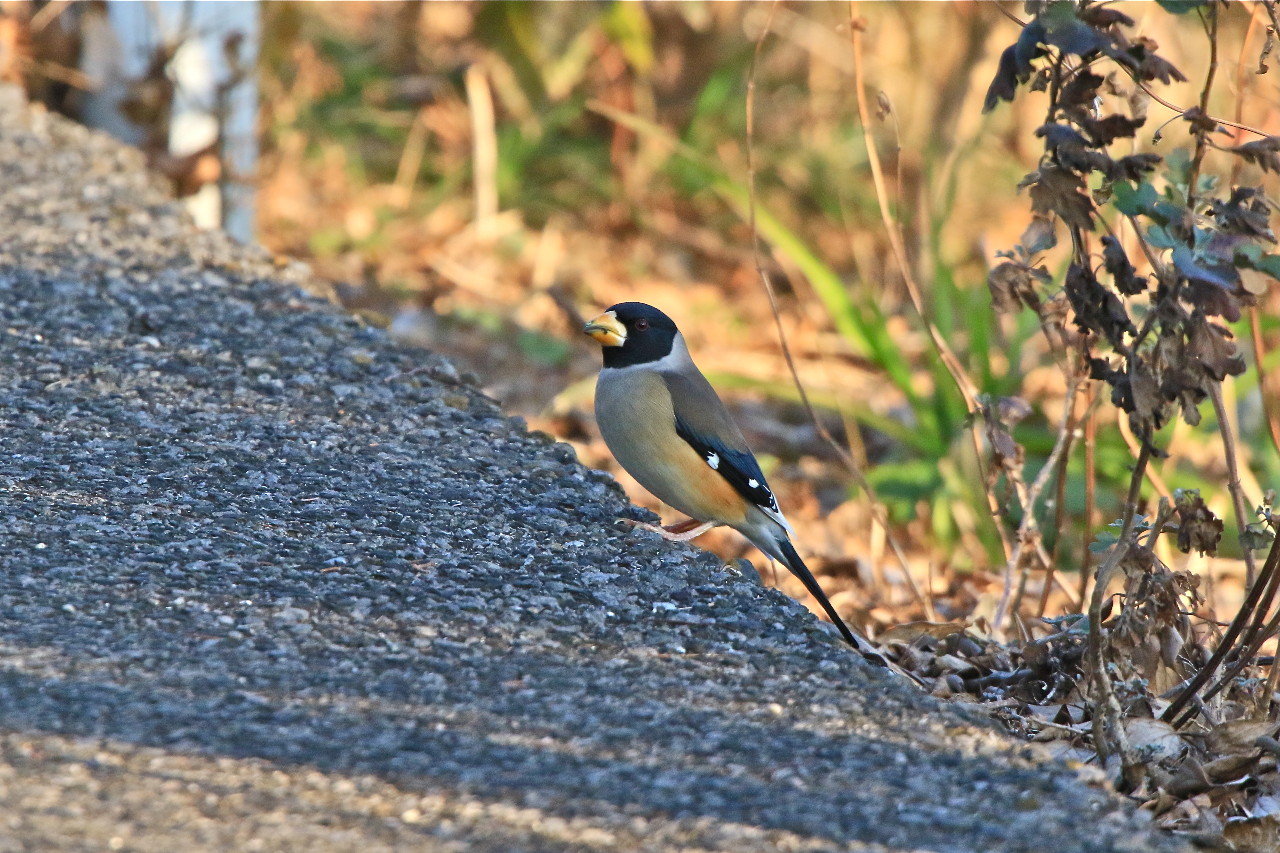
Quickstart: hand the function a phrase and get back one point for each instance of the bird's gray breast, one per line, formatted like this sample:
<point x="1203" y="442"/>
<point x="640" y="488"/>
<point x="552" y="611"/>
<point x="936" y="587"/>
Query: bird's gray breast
<point x="633" y="409"/>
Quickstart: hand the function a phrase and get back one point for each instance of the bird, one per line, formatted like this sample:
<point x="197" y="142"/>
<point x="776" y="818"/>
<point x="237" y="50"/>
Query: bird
<point x="664" y="423"/>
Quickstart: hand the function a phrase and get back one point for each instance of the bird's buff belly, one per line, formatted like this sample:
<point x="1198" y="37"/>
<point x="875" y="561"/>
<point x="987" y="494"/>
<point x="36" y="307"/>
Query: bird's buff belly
<point x="646" y="445"/>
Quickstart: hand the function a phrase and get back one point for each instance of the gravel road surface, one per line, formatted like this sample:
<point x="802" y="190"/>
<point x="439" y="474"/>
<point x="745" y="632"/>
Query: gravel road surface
<point x="269" y="581"/>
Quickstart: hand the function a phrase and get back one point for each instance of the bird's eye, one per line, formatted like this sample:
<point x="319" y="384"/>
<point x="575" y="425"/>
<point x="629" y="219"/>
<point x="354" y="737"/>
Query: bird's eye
<point x="642" y="324"/>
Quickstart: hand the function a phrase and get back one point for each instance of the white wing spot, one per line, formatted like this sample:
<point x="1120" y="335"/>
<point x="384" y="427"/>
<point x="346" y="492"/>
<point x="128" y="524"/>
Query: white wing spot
<point x="755" y="484"/>
<point x="714" y="461"/>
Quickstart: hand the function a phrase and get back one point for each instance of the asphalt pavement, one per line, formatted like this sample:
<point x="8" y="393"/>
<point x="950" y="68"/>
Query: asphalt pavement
<point x="269" y="581"/>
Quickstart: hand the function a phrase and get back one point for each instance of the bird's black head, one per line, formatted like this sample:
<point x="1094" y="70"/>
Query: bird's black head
<point x="633" y="333"/>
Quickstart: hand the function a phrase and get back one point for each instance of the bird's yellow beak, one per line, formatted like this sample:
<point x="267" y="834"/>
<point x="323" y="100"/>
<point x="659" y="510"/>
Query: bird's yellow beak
<point x="607" y="330"/>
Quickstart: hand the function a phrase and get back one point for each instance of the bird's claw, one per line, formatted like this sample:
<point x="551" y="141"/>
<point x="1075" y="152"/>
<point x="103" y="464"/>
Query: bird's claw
<point x="681" y="531"/>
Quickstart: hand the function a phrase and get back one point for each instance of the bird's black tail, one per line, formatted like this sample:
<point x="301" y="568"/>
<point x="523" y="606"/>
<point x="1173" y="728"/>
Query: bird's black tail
<point x="787" y="554"/>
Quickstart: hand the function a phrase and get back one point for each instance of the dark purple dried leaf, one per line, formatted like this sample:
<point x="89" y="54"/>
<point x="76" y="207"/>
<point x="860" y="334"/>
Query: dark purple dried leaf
<point x="1148" y="406"/>
<point x="1245" y="212"/>
<point x="1134" y="167"/>
<point x="1007" y="281"/>
<point x="1096" y="308"/>
<point x="1116" y="262"/>
<point x="1224" y="245"/>
<point x="1261" y="153"/>
<point x="1147" y="65"/>
<point x="1015" y="65"/>
<point x="1080" y="90"/>
<point x="1072" y="151"/>
<point x="1005" y="83"/>
<point x="1106" y="130"/>
<point x="1060" y="135"/>
<point x="1179" y="379"/>
<point x="1058" y="191"/>
<point x="1198" y="527"/>
<point x="1200" y="121"/>
<point x="1062" y="29"/>
<point x="1040" y="236"/>
<point x="1209" y="346"/>
<point x="1104" y="16"/>
<point x="1214" y="300"/>
<point x="1012" y="285"/>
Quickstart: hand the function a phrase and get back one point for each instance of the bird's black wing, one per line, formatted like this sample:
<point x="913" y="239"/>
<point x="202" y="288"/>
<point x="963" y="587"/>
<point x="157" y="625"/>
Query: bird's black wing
<point x="703" y="422"/>
<point x="738" y="467"/>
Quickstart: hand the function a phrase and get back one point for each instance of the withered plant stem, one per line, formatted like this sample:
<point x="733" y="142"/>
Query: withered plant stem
<point x="1029" y="528"/>
<point x="1090" y="490"/>
<point x="894" y="232"/>
<point x="1059" y="511"/>
<point x="1111" y="739"/>
<point x="1262" y="592"/>
<point x="878" y="511"/>
<point x="1202" y="137"/>
<point x="1233" y="478"/>
<point x="1269" y="408"/>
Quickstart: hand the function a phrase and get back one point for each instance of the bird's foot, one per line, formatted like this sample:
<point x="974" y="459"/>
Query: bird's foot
<point x="681" y="531"/>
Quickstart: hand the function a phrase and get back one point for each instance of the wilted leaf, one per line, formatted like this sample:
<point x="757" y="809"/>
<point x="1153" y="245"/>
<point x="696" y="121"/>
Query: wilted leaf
<point x="1104" y="16"/>
<point x="1005" y="84"/>
<point x="1262" y="152"/>
<point x="1096" y="308"/>
<point x="1209" y="346"/>
<point x="1011" y="287"/>
<point x="1081" y="90"/>
<point x="1105" y="130"/>
<point x="1223" y="245"/>
<point x="1139" y="394"/>
<point x="1059" y="191"/>
<point x="1200" y="121"/>
<point x="1146" y="64"/>
<point x="1133" y="167"/>
<point x="1180" y="380"/>
<point x="909" y="632"/>
<point x="1245" y="212"/>
<point x="1155" y="740"/>
<point x="1040" y="236"/>
<point x="1198" y="527"/>
<point x="1015" y="65"/>
<point x="1116" y="262"/>
<point x="1065" y="31"/>
<point x="1058" y="135"/>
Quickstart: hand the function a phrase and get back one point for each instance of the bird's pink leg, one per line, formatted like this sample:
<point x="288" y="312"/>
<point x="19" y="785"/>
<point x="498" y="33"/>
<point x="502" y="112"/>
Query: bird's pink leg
<point x="681" y="531"/>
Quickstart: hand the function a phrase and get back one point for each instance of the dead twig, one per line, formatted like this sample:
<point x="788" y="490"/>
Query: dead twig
<point x="877" y="508"/>
<point x="484" y="151"/>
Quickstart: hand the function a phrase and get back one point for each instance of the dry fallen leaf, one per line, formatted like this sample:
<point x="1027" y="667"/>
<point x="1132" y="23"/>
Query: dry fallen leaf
<point x="909" y="632"/>
<point x="1155" y="740"/>
<point x="1253" y="834"/>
